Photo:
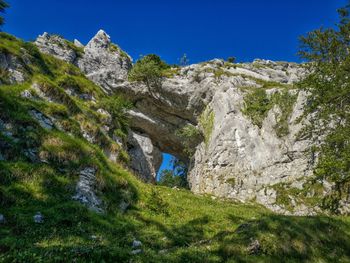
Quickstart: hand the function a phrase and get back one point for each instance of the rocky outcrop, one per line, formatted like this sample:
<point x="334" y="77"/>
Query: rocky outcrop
<point x="234" y="158"/>
<point x="100" y="60"/>
<point x="86" y="190"/>
<point x="12" y="68"/>
<point x="56" y="46"/>
<point x="145" y="157"/>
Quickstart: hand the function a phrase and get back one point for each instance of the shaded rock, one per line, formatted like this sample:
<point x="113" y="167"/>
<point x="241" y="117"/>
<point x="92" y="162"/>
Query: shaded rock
<point x="38" y="218"/>
<point x="136" y="251"/>
<point x="123" y="206"/>
<point x="13" y="68"/>
<point x="254" y="247"/>
<point x="86" y="190"/>
<point x="136" y="243"/>
<point x="44" y="121"/>
<point x="26" y="94"/>
<point x="145" y="157"/>
<point x="2" y="219"/>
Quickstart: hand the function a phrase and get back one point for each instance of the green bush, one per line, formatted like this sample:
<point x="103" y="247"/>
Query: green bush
<point x="206" y="122"/>
<point x="256" y="106"/>
<point x="169" y="179"/>
<point x="190" y="135"/>
<point x="148" y="70"/>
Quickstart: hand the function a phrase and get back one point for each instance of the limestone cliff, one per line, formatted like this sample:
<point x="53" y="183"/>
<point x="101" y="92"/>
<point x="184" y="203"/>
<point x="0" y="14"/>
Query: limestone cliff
<point x="235" y="157"/>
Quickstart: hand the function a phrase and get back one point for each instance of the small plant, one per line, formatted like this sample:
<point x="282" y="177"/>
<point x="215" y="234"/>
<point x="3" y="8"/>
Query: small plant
<point x="206" y="121"/>
<point x="149" y="70"/>
<point x="231" y="59"/>
<point x="184" y="60"/>
<point x="256" y="106"/>
<point x="156" y="203"/>
<point x="190" y="135"/>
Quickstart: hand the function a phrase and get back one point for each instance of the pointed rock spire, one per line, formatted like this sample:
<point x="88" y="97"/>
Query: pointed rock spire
<point x="100" y="40"/>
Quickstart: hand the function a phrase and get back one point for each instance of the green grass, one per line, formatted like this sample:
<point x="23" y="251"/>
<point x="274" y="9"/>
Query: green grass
<point x="173" y="225"/>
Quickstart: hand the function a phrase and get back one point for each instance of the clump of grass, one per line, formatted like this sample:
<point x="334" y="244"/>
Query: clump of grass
<point x="206" y="122"/>
<point x="257" y="104"/>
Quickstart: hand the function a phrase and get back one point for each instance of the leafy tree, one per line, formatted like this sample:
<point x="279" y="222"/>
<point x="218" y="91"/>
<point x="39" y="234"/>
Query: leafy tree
<point x="231" y="59"/>
<point x="177" y="177"/>
<point x="149" y="69"/>
<point x="3" y="6"/>
<point x="329" y="102"/>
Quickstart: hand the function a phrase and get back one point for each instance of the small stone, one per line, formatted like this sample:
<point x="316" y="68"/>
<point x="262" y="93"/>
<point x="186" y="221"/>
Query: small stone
<point x="136" y="243"/>
<point x="136" y="251"/>
<point x="123" y="206"/>
<point x="2" y="219"/>
<point x="254" y="247"/>
<point x="38" y="218"/>
<point x="26" y="94"/>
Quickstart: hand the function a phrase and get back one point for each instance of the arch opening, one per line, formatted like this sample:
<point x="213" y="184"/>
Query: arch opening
<point x="172" y="172"/>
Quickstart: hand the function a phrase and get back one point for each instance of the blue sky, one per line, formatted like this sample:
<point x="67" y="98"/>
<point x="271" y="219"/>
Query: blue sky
<point x="203" y="29"/>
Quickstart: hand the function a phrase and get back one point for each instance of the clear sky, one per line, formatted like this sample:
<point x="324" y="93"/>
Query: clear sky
<point x="203" y="29"/>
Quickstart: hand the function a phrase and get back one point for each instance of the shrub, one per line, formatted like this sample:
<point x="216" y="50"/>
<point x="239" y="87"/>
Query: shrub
<point x="256" y="106"/>
<point x="190" y="135"/>
<point x="206" y="121"/>
<point x="169" y="179"/>
<point x="148" y="70"/>
<point x="231" y="59"/>
<point x="117" y="106"/>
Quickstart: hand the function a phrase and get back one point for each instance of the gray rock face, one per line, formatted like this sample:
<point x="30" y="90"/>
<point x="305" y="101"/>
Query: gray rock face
<point x="38" y="218"/>
<point x="104" y="63"/>
<point x="56" y="46"/>
<point x="44" y="121"/>
<point x="145" y="157"/>
<point x="237" y="159"/>
<point x="2" y="219"/>
<point x="13" y="67"/>
<point x="86" y="190"/>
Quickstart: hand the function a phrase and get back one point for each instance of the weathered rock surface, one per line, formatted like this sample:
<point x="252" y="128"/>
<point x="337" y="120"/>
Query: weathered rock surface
<point x="237" y="159"/>
<point x="56" y="46"/>
<point x="102" y="62"/>
<point x="86" y="190"/>
<point x="145" y="157"/>
<point x="14" y="69"/>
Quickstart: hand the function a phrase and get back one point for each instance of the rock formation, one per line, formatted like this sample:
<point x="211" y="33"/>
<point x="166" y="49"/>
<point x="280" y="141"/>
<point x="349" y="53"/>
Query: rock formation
<point x="235" y="158"/>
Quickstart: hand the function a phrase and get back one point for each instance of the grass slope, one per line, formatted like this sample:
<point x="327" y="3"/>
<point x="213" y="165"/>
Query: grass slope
<point x="173" y="225"/>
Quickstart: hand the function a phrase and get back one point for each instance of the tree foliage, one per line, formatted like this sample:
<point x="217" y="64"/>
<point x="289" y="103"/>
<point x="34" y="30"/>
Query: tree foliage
<point x="329" y="102"/>
<point x="149" y="70"/>
<point x="177" y="177"/>
<point x="3" y="6"/>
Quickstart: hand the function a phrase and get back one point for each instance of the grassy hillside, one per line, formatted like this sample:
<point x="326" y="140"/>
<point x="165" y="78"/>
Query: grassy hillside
<point x="41" y="168"/>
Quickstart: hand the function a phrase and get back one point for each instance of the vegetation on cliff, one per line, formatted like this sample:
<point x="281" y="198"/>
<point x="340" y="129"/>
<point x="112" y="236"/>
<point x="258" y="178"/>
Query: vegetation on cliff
<point x="329" y="104"/>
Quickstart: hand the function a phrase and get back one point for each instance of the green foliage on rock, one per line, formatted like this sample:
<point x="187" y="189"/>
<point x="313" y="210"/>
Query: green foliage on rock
<point x="3" y="6"/>
<point x="190" y="136"/>
<point x="329" y="104"/>
<point x="206" y="122"/>
<point x="257" y="104"/>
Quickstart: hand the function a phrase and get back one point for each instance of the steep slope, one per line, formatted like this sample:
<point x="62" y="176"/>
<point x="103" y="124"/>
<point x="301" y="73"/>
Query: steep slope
<point x="66" y="193"/>
<point x="250" y="115"/>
